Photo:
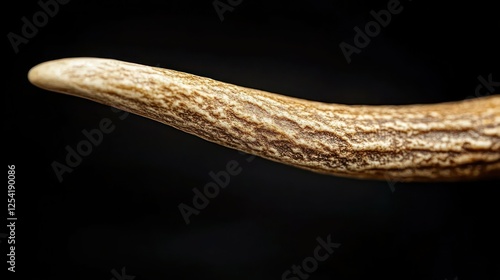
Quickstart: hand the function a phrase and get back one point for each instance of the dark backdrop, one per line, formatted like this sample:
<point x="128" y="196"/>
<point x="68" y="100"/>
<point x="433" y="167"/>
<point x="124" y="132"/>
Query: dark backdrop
<point x="116" y="213"/>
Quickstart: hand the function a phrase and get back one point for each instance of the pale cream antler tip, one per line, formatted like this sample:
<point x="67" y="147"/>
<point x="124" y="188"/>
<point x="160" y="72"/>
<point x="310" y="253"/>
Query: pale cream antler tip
<point x="49" y="75"/>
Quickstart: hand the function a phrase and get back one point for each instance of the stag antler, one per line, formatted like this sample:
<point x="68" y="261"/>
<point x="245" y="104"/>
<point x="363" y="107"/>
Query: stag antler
<point x="447" y="141"/>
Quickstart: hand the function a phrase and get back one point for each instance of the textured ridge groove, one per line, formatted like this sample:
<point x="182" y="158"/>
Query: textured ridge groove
<point x="427" y="142"/>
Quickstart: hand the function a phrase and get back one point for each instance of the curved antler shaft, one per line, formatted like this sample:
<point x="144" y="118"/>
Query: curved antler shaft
<point x="447" y="141"/>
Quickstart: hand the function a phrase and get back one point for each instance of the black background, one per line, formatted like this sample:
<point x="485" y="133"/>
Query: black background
<point x="119" y="207"/>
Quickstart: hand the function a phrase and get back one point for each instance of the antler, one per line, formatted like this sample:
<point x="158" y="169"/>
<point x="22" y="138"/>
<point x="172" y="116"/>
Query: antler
<point x="431" y="142"/>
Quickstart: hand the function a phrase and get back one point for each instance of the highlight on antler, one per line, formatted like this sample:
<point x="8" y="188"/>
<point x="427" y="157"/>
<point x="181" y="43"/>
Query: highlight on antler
<point x="422" y="142"/>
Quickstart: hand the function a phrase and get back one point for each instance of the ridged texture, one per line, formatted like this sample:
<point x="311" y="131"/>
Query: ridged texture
<point x="434" y="142"/>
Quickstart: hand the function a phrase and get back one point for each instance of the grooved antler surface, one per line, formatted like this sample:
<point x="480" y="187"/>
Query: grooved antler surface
<point x="434" y="142"/>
